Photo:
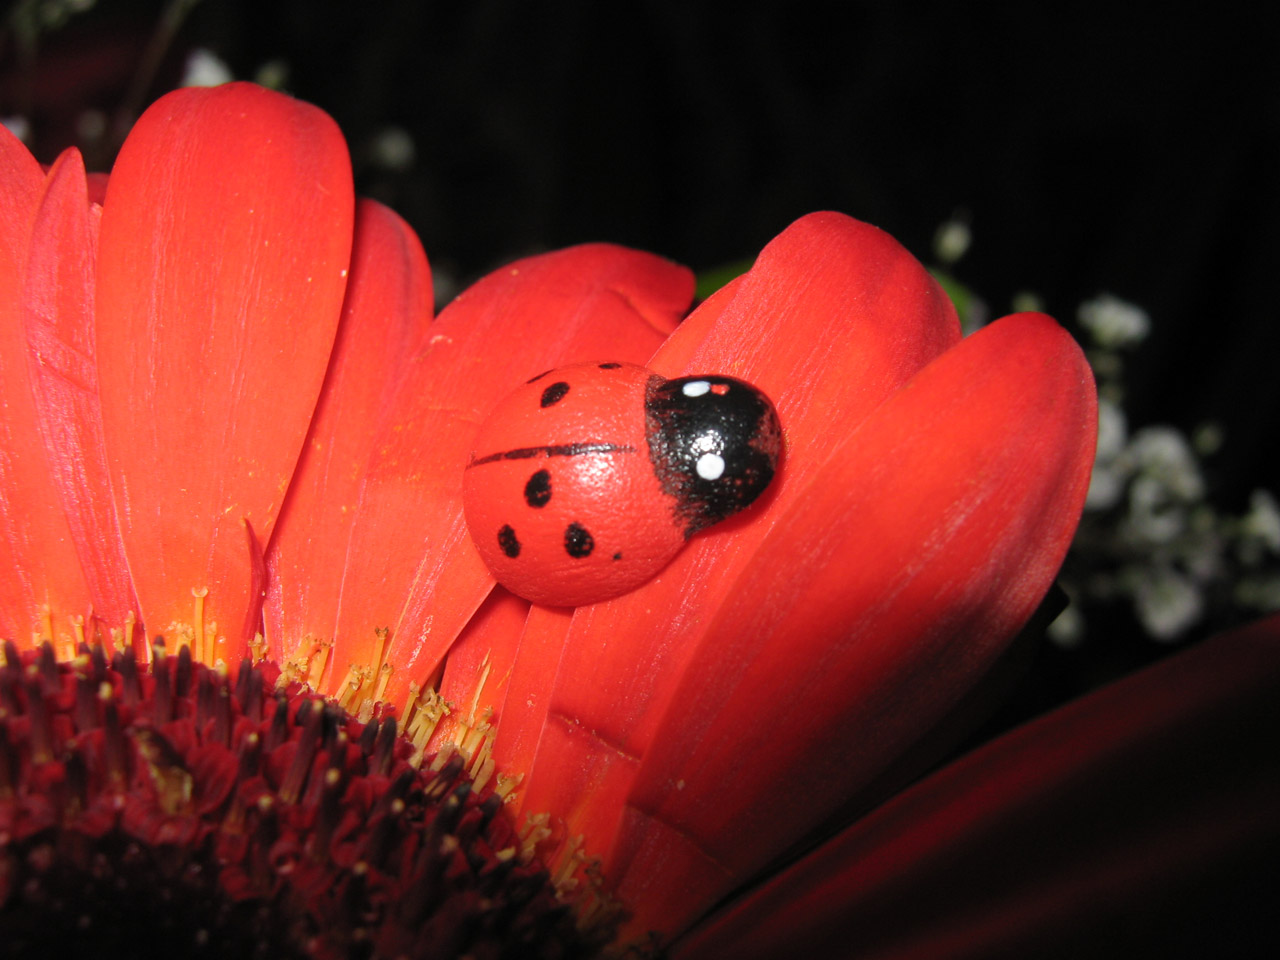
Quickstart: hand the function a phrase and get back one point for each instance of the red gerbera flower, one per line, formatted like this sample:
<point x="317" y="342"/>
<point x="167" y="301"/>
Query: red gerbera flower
<point x="231" y="422"/>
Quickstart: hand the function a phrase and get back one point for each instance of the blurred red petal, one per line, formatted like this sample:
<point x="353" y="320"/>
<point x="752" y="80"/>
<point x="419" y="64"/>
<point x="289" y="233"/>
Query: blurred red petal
<point x="388" y="304"/>
<point x="1138" y="821"/>
<point x="40" y="575"/>
<point x="586" y="303"/>
<point x="58" y="299"/>
<point x="833" y="317"/>
<point x="226" y="237"/>
<point x="912" y="557"/>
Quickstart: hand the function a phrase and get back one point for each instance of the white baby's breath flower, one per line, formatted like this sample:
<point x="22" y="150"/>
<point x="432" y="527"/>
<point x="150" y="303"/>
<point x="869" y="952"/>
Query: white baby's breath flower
<point x="1163" y="454"/>
<point x="1204" y="545"/>
<point x="393" y="148"/>
<point x="1110" y="472"/>
<point x="1261" y="593"/>
<point x="1154" y="518"/>
<point x="1114" y="322"/>
<point x="273" y="75"/>
<point x="951" y="240"/>
<point x="20" y="127"/>
<point x="1262" y="522"/>
<point x="1106" y="487"/>
<point x="1026" y="301"/>
<point x="1067" y="628"/>
<point x="1207" y="438"/>
<point x="205" y="69"/>
<point x="1113" y="429"/>
<point x="1167" y="602"/>
<point x="91" y="126"/>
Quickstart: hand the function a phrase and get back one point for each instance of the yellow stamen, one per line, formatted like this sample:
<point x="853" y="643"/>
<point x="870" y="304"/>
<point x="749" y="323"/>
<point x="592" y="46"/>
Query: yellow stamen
<point x="382" y="633"/>
<point x="426" y="709"/>
<point x="506" y="786"/>
<point x="178" y="635"/>
<point x="351" y="684"/>
<point x="258" y="648"/>
<point x="410" y="708"/>
<point x="441" y="758"/>
<point x="316" y="666"/>
<point x="485" y="667"/>
<point x="481" y="777"/>
<point x="594" y="906"/>
<point x="571" y="857"/>
<point x="197" y="623"/>
<point x="536" y="829"/>
<point x="130" y="624"/>
<point x="173" y="783"/>
<point x="380" y="690"/>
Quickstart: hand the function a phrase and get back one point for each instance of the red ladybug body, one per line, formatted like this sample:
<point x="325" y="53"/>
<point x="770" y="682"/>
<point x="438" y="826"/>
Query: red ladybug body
<point x="586" y="481"/>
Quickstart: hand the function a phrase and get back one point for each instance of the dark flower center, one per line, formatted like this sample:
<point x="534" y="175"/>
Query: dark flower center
<point x="176" y="812"/>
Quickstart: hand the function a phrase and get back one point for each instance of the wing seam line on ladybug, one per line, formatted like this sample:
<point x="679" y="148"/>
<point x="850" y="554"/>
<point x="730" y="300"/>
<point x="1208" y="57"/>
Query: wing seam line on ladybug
<point x="553" y="450"/>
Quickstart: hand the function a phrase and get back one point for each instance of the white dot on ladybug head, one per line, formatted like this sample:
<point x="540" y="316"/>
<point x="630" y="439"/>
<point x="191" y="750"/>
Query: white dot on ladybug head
<point x="695" y="388"/>
<point x="710" y="466"/>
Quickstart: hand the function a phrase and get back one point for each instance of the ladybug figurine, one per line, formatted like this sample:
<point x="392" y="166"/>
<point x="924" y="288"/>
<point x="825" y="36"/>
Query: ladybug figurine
<point x="586" y="481"/>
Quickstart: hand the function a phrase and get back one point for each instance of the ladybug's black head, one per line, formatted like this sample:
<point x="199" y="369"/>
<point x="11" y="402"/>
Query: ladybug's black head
<point x="714" y="442"/>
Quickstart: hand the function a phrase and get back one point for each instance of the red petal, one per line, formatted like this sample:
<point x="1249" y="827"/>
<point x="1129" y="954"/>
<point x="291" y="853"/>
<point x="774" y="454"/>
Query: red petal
<point x="910" y="560"/>
<point x="97" y="187"/>
<point x="388" y="304"/>
<point x="478" y="671"/>
<point x="586" y="303"/>
<point x="524" y="712"/>
<point x="834" y="316"/>
<point x="1138" y="821"/>
<point x="226" y="237"/>
<point x="58" y="300"/>
<point x="40" y="575"/>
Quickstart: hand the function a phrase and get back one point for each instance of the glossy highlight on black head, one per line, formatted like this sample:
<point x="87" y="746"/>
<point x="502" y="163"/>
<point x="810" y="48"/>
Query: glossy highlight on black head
<point x="715" y="443"/>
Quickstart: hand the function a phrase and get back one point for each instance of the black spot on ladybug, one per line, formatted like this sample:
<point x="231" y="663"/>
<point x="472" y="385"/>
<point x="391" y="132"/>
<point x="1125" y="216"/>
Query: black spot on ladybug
<point x="618" y="555"/>
<point x="537" y="492"/>
<point x="553" y="394"/>
<point x="714" y="442"/>
<point x="507" y="541"/>
<point x="578" y="543"/>
<point x="610" y="366"/>
<point x="538" y="377"/>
